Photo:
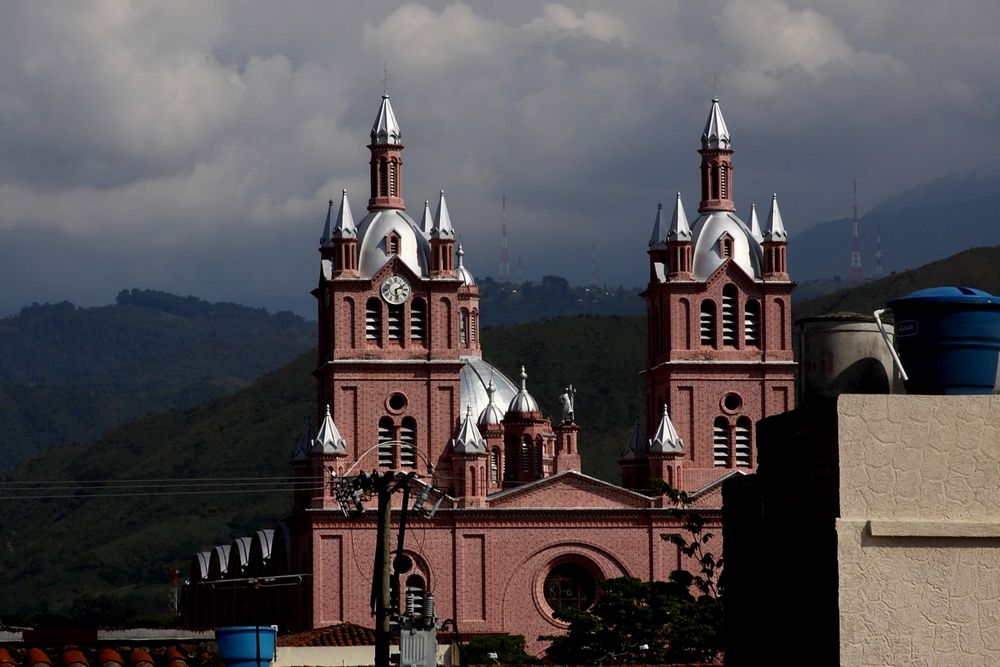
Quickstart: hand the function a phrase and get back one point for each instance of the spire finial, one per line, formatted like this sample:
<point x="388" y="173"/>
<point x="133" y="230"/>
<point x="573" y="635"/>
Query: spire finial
<point x="524" y="379"/>
<point x="385" y="79"/>
<point x="715" y="86"/>
<point x="491" y="389"/>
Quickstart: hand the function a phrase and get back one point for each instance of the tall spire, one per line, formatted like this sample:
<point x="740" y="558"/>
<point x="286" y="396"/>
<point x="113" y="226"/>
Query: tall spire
<point x="442" y="239"/>
<point x="325" y="238"/>
<point x="775" y="245"/>
<point x="716" y="134"/>
<point x="386" y="130"/>
<point x="427" y="222"/>
<point x="329" y="440"/>
<point x="716" y="163"/>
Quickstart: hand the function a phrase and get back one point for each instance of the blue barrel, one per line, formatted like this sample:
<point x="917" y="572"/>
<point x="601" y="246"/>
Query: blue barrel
<point x="948" y="340"/>
<point x="238" y="645"/>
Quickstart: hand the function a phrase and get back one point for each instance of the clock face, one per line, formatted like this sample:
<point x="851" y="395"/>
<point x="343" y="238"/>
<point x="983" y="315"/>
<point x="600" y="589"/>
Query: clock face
<point x="395" y="289"/>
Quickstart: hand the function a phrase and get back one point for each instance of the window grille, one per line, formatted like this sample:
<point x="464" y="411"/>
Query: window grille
<point x="708" y="323"/>
<point x="408" y="438"/>
<point x="373" y="319"/>
<point x="385" y="446"/>
<point x="720" y="442"/>
<point x="751" y="323"/>
<point x="396" y="322"/>
<point x="729" y="315"/>
<point x="418" y="319"/>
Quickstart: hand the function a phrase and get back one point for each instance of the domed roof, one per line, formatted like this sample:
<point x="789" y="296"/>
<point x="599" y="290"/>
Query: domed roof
<point x="414" y="249"/>
<point x="523" y="402"/>
<point x="475" y="378"/>
<point x="492" y="414"/>
<point x="709" y="230"/>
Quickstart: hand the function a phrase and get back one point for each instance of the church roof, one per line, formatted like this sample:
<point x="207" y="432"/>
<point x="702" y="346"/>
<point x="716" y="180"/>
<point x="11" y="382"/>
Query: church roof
<point x="442" y="229"/>
<point x="344" y="227"/>
<point x="658" y="237"/>
<point x="386" y="129"/>
<point x="304" y="444"/>
<point x="491" y="415"/>
<point x="474" y="380"/>
<point x="716" y="134"/>
<point x="754" y="224"/>
<point x="635" y="447"/>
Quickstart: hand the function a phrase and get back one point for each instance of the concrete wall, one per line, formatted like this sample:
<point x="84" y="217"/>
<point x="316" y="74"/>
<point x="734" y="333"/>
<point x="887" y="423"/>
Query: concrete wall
<point x="919" y="530"/>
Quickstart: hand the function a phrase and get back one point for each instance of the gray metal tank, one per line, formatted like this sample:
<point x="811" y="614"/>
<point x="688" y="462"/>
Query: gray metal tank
<point x="843" y="353"/>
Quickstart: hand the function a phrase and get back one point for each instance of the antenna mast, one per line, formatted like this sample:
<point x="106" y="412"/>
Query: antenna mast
<point x="504" y="260"/>
<point x="857" y="274"/>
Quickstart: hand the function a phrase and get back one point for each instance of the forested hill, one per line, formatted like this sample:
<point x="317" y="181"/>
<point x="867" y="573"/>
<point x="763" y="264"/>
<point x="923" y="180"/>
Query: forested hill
<point x="71" y="374"/>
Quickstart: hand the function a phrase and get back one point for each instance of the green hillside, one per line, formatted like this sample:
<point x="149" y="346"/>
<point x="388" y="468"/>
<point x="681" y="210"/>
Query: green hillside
<point x="58" y="549"/>
<point x="71" y="374"/>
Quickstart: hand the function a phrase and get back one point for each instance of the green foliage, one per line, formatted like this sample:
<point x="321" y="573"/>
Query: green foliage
<point x="509" y="649"/>
<point x="516" y="303"/>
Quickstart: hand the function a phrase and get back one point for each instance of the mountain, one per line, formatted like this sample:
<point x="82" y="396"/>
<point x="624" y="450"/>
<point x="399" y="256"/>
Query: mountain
<point x="924" y="224"/>
<point x="71" y="374"/>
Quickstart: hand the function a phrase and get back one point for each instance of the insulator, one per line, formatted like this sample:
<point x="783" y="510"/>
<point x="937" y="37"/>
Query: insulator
<point x="429" y="606"/>
<point x="411" y="602"/>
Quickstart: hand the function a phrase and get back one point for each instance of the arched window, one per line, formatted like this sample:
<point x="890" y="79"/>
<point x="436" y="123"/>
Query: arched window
<point x="708" y="323"/>
<point x="463" y="326"/>
<point x="742" y="442"/>
<point x="418" y="319"/>
<point x="751" y="323"/>
<point x="729" y="327"/>
<point x="408" y="438"/>
<point x="539" y="453"/>
<point x="392" y="178"/>
<point x="720" y="442"/>
<point x="569" y="586"/>
<point x="396" y="321"/>
<point x="392" y="244"/>
<point x="473" y="325"/>
<point x="373" y="320"/>
<point x="526" y="455"/>
<point x="383" y="173"/>
<point x="726" y="246"/>
<point x="385" y="438"/>
<point x="495" y="465"/>
<point x="724" y="180"/>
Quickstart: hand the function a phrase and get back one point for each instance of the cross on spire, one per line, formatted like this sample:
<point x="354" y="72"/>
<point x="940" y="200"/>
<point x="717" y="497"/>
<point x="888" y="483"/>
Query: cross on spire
<point x="385" y="78"/>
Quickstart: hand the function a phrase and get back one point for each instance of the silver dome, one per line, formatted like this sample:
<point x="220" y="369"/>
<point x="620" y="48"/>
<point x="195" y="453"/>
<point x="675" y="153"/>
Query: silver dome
<point x="523" y="402"/>
<point x="475" y="377"/>
<point x="414" y="249"/>
<point x="708" y="231"/>
<point x="492" y="414"/>
<point x="461" y="272"/>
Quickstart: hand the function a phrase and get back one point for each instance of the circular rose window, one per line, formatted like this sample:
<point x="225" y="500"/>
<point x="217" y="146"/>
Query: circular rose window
<point x="570" y="586"/>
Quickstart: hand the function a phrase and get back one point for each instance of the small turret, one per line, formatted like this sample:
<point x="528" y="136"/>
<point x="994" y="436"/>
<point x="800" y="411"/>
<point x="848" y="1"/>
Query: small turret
<point x="679" y="246"/>
<point x="328" y="440"/>
<point x="469" y="439"/>
<point x="340" y="241"/>
<point x="386" y="160"/>
<point x="442" y="239"/>
<point x="666" y="451"/>
<point x="753" y="224"/>
<point x="523" y="402"/>
<point x="775" y="245"/>
<point x="716" y="163"/>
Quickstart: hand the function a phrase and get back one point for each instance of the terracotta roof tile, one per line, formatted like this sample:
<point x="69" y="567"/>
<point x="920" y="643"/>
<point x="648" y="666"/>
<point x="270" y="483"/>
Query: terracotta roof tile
<point x="108" y="657"/>
<point x="37" y="656"/>
<point x="5" y="658"/>
<point x="343" y="634"/>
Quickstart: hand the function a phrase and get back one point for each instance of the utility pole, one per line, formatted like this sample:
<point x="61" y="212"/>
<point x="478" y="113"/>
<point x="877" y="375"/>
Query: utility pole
<point x="383" y="590"/>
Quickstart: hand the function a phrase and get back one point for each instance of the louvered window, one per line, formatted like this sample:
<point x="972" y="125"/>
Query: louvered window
<point x="751" y="323"/>
<point x="463" y="326"/>
<point x="742" y="444"/>
<point x="708" y="323"/>
<point x="373" y="319"/>
<point x="473" y="325"/>
<point x="720" y="442"/>
<point x="392" y="178"/>
<point x="408" y="438"/>
<point x="383" y="172"/>
<point x="385" y="445"/>
<point x="418" y="319"/>
<point x="724" y="179"/>
<point x="495" y="465"/>
<point x="729" y="315"/>
<point x="396" y="322"/>
<point x="526" y="456"/>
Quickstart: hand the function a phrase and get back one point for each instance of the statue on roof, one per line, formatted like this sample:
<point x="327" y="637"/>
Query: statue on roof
<point x="568" y="401"/>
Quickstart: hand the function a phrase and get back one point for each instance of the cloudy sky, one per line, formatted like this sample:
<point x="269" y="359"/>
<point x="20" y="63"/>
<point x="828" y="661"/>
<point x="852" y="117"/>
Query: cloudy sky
<point x="192" y="147"/>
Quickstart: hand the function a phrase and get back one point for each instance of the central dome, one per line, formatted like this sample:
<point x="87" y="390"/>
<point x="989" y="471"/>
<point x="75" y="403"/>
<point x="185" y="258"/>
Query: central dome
<point x="709" y="231"/>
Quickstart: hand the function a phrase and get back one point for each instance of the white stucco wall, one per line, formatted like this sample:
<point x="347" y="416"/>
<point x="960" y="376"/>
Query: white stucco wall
<point x="919" y="533"/>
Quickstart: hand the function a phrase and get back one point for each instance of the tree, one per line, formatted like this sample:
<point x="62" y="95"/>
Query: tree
<point x="634" y="621"/>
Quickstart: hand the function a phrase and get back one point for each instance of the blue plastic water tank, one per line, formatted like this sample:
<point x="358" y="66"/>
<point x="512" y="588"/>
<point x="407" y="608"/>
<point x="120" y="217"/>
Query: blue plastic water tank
<point x="948" y="339"/>
<point x="238" y="645"/>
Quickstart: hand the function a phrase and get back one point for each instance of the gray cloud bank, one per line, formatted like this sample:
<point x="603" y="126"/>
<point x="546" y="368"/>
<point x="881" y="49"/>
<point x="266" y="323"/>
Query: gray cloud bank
<point x="191" y="147"/>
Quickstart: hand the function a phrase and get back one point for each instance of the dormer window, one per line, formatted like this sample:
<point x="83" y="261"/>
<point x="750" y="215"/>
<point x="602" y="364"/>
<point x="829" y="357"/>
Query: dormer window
<point x="726" y="246"/>
<point x="392" y="244"/>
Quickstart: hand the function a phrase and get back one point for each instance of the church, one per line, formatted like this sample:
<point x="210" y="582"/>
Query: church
<point x="520" y="533"/>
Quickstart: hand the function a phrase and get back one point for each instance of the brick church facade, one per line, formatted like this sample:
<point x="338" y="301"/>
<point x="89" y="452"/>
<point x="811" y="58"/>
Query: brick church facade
<point x="401" y="384"/>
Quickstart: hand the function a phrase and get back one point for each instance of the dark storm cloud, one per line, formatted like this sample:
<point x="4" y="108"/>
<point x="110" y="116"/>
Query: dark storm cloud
<point x="192" y="147"/>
